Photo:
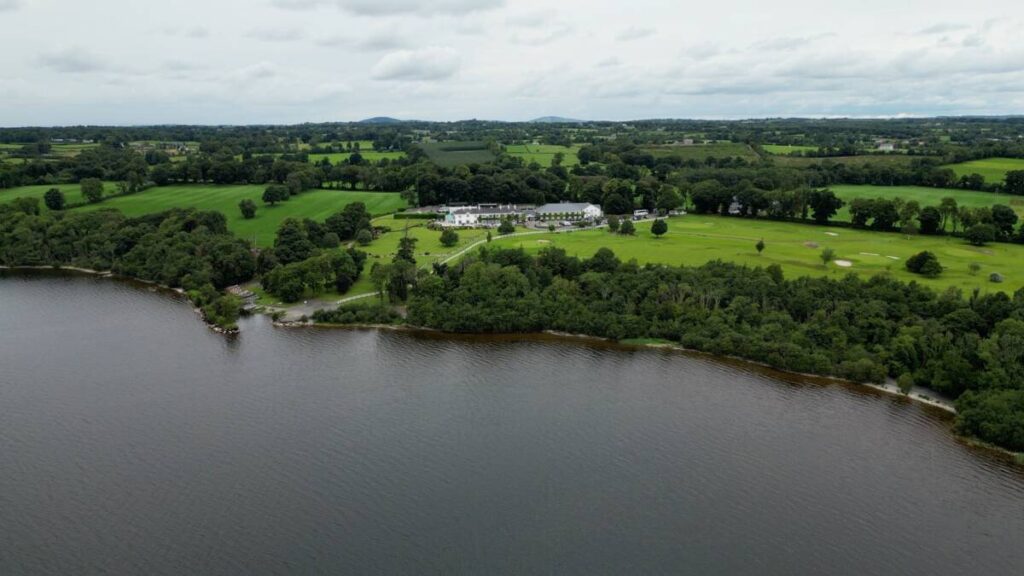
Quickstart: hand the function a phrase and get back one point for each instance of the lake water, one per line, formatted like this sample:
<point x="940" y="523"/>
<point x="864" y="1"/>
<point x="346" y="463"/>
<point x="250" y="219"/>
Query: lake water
<point x="135" y="441"/>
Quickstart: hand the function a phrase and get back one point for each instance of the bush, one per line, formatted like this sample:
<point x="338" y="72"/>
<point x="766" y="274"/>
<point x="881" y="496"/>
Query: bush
<point x="364" y="237"/>
<point x="924" y="263"/>
<point x="980" y="234"/>
<point x="627" y="228"/>
<point x="659" y="227"/>
<point x="506" y="227"/>
<point x="248" y="208"/>
<point x="449" y="238"/>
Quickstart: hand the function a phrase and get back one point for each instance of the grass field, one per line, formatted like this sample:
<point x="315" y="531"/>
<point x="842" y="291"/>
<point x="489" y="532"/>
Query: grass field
<point x="369" y="155"/>
<point x="700" y="152"/>
<point x="72" y="192"/>
<point x="315" y="204"/>
<point x="450" y="154"/>
<point x="993" y="169"/>
<point x="784" y="149"/>
<point x="694" y="240"/>
<point x="543" y="154"/>
<point x="924" y="196"/>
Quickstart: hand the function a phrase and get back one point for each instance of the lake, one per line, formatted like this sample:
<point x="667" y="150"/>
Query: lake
<point x="134" y="440"/>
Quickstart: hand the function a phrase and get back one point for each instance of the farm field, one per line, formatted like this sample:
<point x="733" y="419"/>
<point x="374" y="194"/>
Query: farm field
<point x="993" y="169"/>
<point x="700" y="152"/>
<point x="543" y="154"/>
<point x="693" y="240"/>
<point x="784" y="149"/>
<point x="924" y="196"/>
<point x="72" y="192"/>
<point x="450" y="154"/>
<point x="367" y="154"/>
<point x="315" y="204"/>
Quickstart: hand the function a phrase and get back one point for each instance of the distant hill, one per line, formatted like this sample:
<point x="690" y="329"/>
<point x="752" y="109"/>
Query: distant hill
<point x="381" y="120"/>
<point x="555" y="120"/>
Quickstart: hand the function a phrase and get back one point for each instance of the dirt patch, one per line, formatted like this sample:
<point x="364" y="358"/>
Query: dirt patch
<point x="811" y="244"/>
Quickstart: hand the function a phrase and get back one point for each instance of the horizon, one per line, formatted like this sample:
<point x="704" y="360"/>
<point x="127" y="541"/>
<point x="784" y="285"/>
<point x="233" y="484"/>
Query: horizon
<point x="324" y="61"/>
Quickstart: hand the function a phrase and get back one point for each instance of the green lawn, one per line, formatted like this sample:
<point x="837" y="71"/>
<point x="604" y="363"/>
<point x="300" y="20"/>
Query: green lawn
<point x="543" y="154"/>
<point x="72" y="192"/>
<point x="694" y="240"/>
<point x="367" y="154"/>
<point x="784" y="149"/>
<point x="993" y="169"/>
<point x="315" y="204"/>
<point x="925" y="196"/>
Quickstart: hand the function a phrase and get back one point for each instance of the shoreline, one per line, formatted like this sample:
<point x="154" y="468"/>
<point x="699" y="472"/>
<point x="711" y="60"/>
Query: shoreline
<point x="112" y="275"/>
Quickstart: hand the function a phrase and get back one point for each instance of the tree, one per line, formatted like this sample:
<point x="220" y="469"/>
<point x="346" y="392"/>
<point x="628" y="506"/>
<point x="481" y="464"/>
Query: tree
<point x="506" y="227"/>
<point x="930" y="219"/>
<point x="364" y="237"/>
<point x="613" y="224"/>
<point x="54" y="199"/>
<point x="275" y="193"/>
<point x="827" y="255"/>
<point x="1015" y="182"/>
<point x="950" y="212"/>
<point x="824" y="205"/>
<point x="248" y="208"/>
<point x="379" y="275"/>
<point x="449" y="238"/>
<point x="905" y="383"/>
<point x="924" y="263"/>
<point x="349" y="221"/>
<point x="1004" y="219"/>
<point x="92" y="190"/>
<point x="659" y="227"/>
<point x="980" y="234"/>
<point x="627" y="228"/>
<point x="974" y="268"/>
<point x="292" y="244"/>
<point x="759" y="246"/>
<point x="551" y="228"/>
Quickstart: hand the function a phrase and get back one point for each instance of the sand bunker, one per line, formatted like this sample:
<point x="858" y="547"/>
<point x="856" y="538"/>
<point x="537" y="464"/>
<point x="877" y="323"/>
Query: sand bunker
<point x="844" y="263"/>
<point x="543" y="241"/>
<point x="868" y="254"/>
<point x="893" y="257"/>
<point x="831" y="234"/>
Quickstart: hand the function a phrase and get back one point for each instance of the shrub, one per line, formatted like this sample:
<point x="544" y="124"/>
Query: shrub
<point x="924" y="263"/>
<point x="980" y="234"/>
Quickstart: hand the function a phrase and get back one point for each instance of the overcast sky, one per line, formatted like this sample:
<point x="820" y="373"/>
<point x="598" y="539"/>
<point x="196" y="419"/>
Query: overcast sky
<point x="287" y="61"/>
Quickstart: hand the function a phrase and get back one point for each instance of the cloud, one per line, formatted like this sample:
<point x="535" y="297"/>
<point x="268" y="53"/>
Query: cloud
<point x="71" y="61"/>
<point x="393" y="7"/>
<point x="276" y="34"/>
<point x="187" y="32"/>
<point x="944" y="27"/>
<point x="634" y="33"/>
<point x="372" y="43"/>
<point x="432" y="63"/>
<point x="10" y="5"/>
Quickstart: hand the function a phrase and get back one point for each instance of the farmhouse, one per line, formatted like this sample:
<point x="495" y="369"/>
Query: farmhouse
<point x="568" y="211"/>
<point x="484" y="214"/>
<point x="886" y="146"/>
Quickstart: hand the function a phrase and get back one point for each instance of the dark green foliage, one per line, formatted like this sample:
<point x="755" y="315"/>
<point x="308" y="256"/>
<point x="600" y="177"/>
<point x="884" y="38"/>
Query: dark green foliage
<point x="980" y="234"/>
<point x="248" y="208"/>
<point x="449" y="237"/>
<point x="364" y="237"/>
<point x="759" y="246"/>
<point x="177" y="248"/>
<point x="358" y="314"/>
<point x="92" y="190"/>
<point x="349" y="221"/>
<point x="824" y="205"/>
<point x="996" y="416"/>
<point x="291" y="282"/>
<point x="627" y="228"/>
<point x="613" y="224"/>
<point x="659" y="227"/>
<point x="924" y="263"/>
<point x="506" y="227"/>
<point x="292" y="243"/>
<point x="930" y="219"/>
<point x="276" y="193"/>
<point x="54" y="199"/>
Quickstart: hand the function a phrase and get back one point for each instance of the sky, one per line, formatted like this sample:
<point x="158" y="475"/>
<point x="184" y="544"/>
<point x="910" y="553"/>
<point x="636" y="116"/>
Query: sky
<point x="132" y="62"/>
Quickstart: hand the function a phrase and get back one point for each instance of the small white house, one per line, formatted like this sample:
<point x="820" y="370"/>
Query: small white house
<point x="640" y="214"/>
<point x="886" y="147"/>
